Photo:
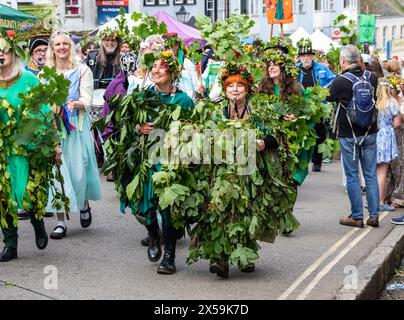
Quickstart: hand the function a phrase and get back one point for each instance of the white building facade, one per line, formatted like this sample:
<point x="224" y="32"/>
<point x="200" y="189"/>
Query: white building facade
<point x="309" y="14"/>
<point x="389" y="29"/>
<point x="150" y="7"/>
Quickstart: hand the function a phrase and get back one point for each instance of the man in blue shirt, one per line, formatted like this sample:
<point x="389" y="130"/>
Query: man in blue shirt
<point x="312" y="73"/>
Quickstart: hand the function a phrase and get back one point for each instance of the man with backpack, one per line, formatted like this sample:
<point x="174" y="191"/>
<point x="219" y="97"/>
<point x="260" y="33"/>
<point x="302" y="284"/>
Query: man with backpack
<point x="354" y="92"/>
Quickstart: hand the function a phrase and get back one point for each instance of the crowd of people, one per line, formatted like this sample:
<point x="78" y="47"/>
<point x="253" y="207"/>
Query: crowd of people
<point x="368" y="117"/>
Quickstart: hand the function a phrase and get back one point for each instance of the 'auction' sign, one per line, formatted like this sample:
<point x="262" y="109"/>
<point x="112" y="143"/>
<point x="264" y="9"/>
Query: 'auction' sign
<point x="107" y="10"/>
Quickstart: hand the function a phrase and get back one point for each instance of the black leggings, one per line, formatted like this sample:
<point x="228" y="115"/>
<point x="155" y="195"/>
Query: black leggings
<point x="321" y="132"/>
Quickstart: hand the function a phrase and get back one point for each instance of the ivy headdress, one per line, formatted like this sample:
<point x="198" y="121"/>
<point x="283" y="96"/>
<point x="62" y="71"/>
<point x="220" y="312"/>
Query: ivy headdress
<point x="305" y="47"/>
<point x="110" y="33"/>
<point x="167" y="58"/>
<point x="281" y="52"/>
<point x="8" y="43"/>
<point x="231" y="69"/>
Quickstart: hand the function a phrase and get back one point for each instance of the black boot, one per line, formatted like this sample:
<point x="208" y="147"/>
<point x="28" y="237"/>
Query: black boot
<point x="316" y="167"/>
<point x="250" y="268"/>
<point x="180" y="233"/>
<point x="221" y="268"/>
<point x="154" y="249"/>
<point x="41" y="237"/>
<point x="167" y="265"/>
<point x="8" y="254"/>
<point x="145" y="241"/>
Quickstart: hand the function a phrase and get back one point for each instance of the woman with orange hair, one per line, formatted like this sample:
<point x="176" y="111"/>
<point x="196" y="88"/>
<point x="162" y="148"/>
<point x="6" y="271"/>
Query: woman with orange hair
<point x="236" y="86"/>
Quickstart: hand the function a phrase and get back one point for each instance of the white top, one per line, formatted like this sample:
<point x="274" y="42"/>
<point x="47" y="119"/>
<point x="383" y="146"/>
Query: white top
<point x="86" y="86"/>
<point x="138" y="82"/>
<point x="189" y="79"/>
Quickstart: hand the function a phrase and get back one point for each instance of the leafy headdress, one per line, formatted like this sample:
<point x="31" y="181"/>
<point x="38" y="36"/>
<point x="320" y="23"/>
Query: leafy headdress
<point x="85" y="42"/>
<point x="281" y="52"/>
<point x="395" y="82"/>
<point x="167" y="58"/>
<point x="110" y="33"/>
<point x="8" y="43"/>
<point x="170" y="41"/>
<point x="305" y="47"/>
<point x="234" y="68"/>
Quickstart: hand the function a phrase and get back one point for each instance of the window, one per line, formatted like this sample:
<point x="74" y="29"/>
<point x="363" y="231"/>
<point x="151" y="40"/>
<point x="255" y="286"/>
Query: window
<point x="393" y="33"/>
<point x="350" y="4"/>
<point x="221" y="15"/>
<point x="402" y="32"/>
<point x="318" y="5"/>
<point x="384" y="36"/>
<point x="299" y="6"/>
<point x="181" y="2"/>
<point x="253" y="7"/>
<point x="302" y="7"/>
<point x="155" y="3"/>
<point x="264" y="7"/>
<point x="332" y="5"/>
<point x="217" y="9"/>
<point x="73" y="7"/>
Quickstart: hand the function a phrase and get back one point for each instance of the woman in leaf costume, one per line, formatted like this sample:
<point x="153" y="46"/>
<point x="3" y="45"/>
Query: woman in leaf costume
<point x="280" y="81"/>
<point x="236" y="83"/>
<point x="304" y="108"/>
<point x="79" y="161"/>
<point x="164" y="71"/>
<point x="14" y="164"/>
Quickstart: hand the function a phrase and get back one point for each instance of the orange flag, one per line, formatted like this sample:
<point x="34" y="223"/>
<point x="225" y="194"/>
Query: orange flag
<point x="279" y="11"/>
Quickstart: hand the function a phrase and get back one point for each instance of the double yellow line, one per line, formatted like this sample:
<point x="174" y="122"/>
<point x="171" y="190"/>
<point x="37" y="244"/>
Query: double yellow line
<point x="330" y="265"/>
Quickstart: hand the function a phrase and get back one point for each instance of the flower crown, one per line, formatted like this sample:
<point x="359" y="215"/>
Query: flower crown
<point x="280" y="58"/>
<point x="109" y="33"/>
<point x="85" y="42"/>
<point x="395" y="81"/>
<point x="7" y="43"/>
<point x="231" y="69"/>
<point x="281" y="52"/>
<point x="167" y="58"/>
<point x="151" y="45"/>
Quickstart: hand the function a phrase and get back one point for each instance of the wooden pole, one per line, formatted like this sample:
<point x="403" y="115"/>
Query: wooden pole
<point x="282" y="30"/>
<point x="272" y="31"/>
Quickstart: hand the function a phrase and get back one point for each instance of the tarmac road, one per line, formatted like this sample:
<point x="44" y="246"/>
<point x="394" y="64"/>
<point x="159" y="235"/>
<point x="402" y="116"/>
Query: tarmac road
<point x="107" y="261"/>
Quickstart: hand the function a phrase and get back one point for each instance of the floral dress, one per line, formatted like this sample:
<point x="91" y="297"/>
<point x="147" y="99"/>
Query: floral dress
<point x="386" y="139"/>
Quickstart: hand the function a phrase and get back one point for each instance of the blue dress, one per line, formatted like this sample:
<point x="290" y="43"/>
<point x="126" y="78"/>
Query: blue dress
<point x="79" y="165"/>
<point x="386" y="139"/>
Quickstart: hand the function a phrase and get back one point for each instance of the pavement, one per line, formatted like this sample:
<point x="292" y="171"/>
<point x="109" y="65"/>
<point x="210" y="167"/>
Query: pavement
<point x="321" y="260"/>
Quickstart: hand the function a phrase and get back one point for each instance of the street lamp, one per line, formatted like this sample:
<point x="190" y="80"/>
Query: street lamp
<point x="182" y="15"/>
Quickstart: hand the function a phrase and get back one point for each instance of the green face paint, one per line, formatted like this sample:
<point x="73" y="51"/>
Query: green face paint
<point x="4" y="45"/>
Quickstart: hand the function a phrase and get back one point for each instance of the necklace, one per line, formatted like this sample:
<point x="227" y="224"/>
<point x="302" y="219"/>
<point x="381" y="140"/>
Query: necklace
<point x="5" y="84"/>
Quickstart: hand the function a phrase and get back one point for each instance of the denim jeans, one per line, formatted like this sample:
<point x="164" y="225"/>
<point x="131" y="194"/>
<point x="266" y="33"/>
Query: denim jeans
<point x="366" y="154"/>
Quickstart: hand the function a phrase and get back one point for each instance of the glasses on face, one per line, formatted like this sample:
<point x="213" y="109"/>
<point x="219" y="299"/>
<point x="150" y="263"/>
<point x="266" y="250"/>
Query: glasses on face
<point x="40" y="51"/>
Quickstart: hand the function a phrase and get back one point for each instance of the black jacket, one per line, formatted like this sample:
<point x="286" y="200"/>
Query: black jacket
<point x="341" y="92"/>
<point x="98" y="70"/>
